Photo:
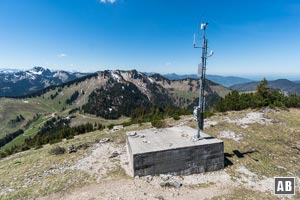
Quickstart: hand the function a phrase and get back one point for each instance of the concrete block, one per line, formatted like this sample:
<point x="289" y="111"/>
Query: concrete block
<point x="173" y="151"/>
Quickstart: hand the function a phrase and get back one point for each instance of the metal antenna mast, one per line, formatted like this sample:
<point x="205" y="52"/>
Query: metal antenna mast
<point x="200" y="109"/>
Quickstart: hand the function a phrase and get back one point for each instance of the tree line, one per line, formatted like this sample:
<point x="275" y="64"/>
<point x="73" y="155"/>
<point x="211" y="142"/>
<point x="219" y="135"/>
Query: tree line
<point x="115" y="100"/>
<point x="73" y="98"/>
<point x="53" y="131"/>
<point x="263" y="97"/>
<point x="9" y="137"/>
<point x="18" y="119"/>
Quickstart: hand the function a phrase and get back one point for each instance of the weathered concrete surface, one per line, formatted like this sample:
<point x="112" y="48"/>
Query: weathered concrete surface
<point x="173" y="150"/>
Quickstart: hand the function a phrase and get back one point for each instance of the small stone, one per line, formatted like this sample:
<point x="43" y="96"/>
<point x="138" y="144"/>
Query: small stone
<point x="132" y="134"/>
<point x="72" y="149"/>
<point x="117" y="128"/>
<point x="280" y="167"/>
<point x="165" y="177"/>
<point x="83" y="146"/>
<point x="104" y="140"/>
<point x="174" y="184"/>
<point x="149" y="178"/>
<point x="159" y="197"/>
<point x="114" y="154"/>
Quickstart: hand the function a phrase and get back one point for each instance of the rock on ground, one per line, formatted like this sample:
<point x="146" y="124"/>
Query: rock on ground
<point x="231" y="135"/>
<point x="250" y="118"/>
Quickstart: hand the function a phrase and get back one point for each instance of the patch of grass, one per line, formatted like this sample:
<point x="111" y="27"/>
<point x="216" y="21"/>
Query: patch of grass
<point x="81" y="119"/>
<point x="42" y="174"/>
<point x="243" y="193"/>
<point x="159" y="197"/>
<point x="17" y="162"/>
<point x="265" y="149"/>
<point x="57" y="150"/>
<point x="201" y="185"/>
<point x="30" y="132"/>
<point x="50" y="184"/>
<point x="118" y="173"/>
<point x="222" y="91"/>
<point x="10" y="108"/>
<point x="176" y="117"/>
<point x="159" y="123"/>
<point x="186" y="94"/>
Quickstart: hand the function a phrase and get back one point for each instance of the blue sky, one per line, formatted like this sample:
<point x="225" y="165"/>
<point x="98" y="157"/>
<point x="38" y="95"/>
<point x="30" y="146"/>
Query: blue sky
<point x="250" y="37"/>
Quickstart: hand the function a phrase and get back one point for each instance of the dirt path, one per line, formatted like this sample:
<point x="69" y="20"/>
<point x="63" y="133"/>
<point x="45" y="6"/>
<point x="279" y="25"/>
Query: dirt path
<point x="136" y="189"/>
<point x="88" y="117"/>
<point x="119" y="186"/>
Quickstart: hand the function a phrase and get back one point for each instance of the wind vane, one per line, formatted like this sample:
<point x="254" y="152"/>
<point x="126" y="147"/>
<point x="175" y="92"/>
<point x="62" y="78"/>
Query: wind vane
<point x="200" y="109"/>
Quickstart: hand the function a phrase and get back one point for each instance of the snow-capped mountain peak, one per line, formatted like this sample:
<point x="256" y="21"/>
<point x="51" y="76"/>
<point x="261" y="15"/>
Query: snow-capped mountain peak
<point x="37" y="70"/>
<point x="18" y="83"/>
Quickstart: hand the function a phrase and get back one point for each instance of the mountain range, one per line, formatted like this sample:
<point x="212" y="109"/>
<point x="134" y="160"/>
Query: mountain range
<point x="15" y="83"/>
<point x="226" y="81"/>
<point x="284" y="85"/>
<point x="113" y="93"/>
<point x="105" y="95"/>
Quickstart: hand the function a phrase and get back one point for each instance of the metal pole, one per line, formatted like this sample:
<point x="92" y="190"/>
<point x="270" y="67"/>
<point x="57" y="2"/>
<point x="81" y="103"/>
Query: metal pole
<point x="201" y="106"/>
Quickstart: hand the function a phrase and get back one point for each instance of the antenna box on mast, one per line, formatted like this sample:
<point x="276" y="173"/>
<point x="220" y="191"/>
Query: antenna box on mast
<point x="200" y="69"/>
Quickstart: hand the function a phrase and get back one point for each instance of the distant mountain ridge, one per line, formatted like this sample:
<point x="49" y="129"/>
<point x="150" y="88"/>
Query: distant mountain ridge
<point x="14" y="83"/>
<point x="226" y="81"/>
<point x="17" y="83"/>
<point x="284" y="85"/>
<point x="186" y="91"/>
<point x="119" y="92"/>
<point x="108" y="93"/>
<point x="8" y="70"/>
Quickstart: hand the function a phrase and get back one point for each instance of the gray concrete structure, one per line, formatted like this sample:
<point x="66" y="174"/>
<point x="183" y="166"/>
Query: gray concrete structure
<point x="173" y="151"/>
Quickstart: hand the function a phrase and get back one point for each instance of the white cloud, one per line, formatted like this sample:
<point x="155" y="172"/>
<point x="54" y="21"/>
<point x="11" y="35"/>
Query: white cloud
<point x="61" y="55"/>
<point x="107" y="1"/>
